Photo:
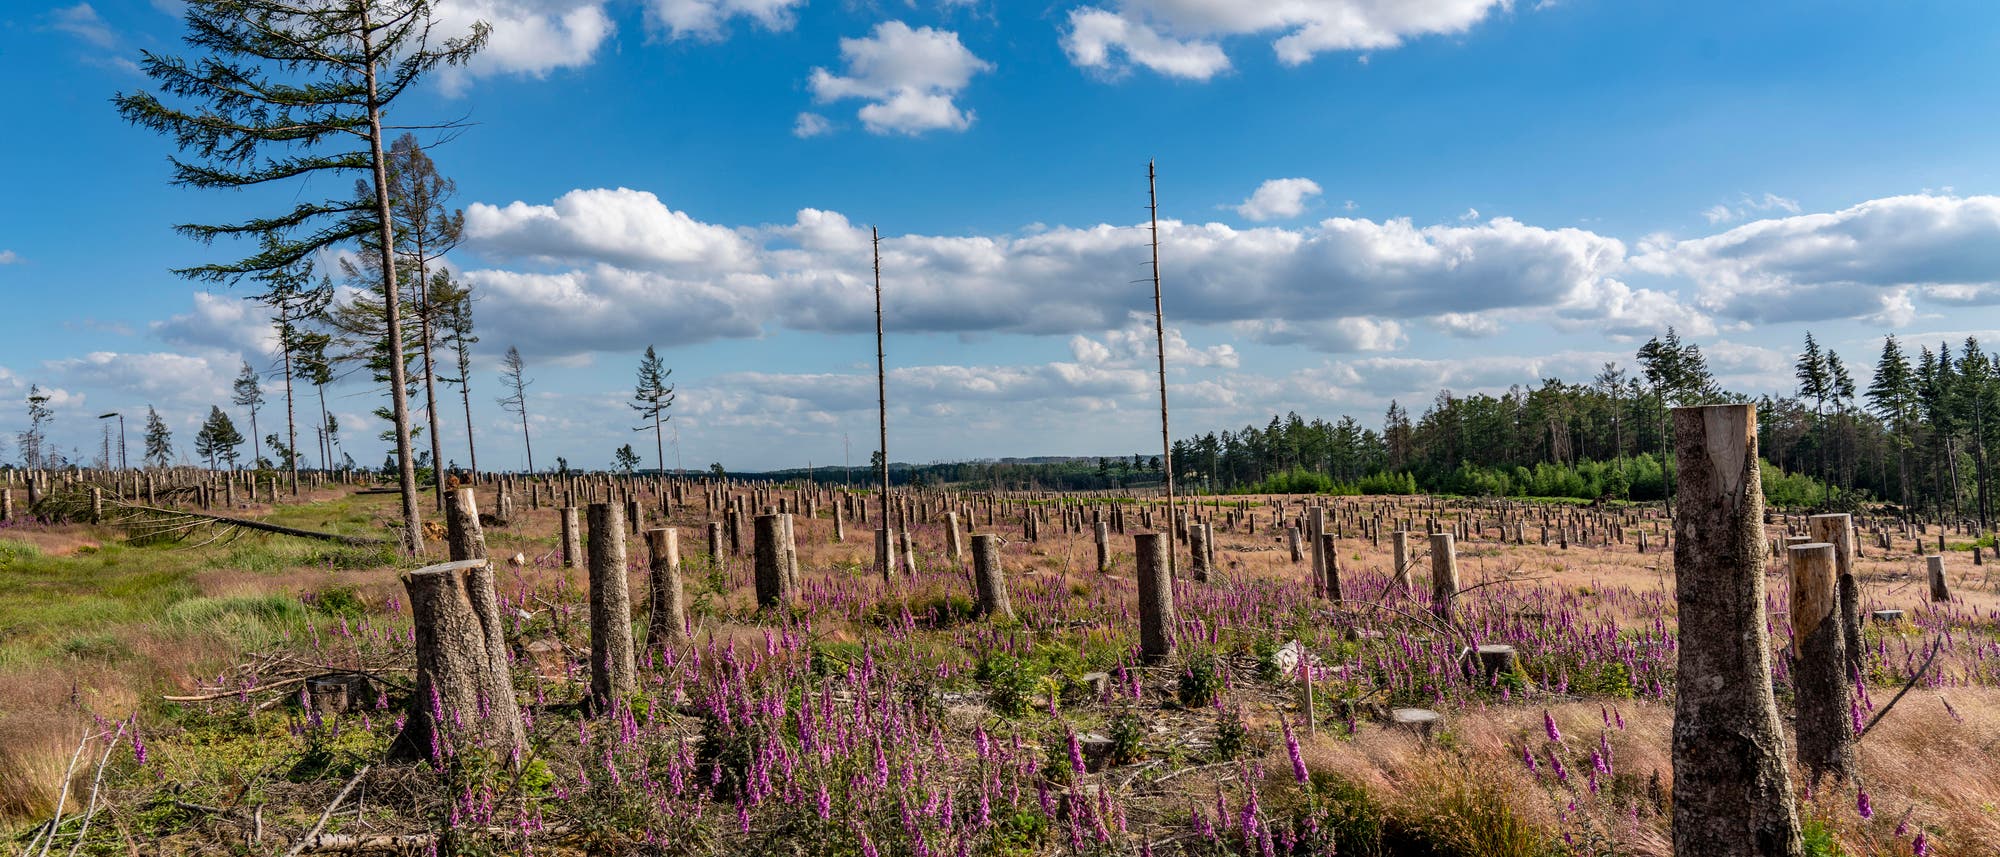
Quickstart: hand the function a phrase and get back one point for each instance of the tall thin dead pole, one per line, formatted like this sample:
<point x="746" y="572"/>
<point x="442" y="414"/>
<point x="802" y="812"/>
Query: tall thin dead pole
<point x="885" y="542"/>
<point x="1160" y="339"/>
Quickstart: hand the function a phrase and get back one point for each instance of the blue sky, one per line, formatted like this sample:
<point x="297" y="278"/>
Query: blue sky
<point x="1363" y="201"/>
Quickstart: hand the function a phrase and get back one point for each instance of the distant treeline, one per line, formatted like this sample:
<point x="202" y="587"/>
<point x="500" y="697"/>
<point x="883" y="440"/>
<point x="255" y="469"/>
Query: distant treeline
<point x="1919" y="434"/>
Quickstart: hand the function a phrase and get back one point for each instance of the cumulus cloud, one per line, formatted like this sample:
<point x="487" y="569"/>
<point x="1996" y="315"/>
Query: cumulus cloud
<point x="909" y="77"/>
<point x="599" y="263"/>
<point x="613" y="269"/>
<point x="707" y="18"/>
<point x="1182" y="38"/>
<point x="164" y="379"/>
<point x="1279" y="198"/>
<point x="529" y="37"/>
<point x="9" y="257"/>
<point x="1860" y="261"/>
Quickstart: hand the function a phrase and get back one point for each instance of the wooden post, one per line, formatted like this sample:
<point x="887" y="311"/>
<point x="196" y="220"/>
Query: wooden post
<point x="1940" y="589"/>
<point x="572" y="539"/>
<point x="1732" y="789"/>
<point x="668" y="622"/>
<point x="1444" y="573"/>
<point x="989" y="580"/>
<point x="1825" y="738"/>
<point x="1156" y="597"/>
<point x="455" y="657"/>
<point x="1838" y="530"/>
<point x="773" y="579"/>
<point x="613" y="675"/>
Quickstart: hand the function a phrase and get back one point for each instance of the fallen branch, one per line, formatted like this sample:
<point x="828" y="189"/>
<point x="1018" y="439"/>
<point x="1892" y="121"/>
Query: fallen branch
<point x="1914" y="678"/>
<point x="338" y="799"/>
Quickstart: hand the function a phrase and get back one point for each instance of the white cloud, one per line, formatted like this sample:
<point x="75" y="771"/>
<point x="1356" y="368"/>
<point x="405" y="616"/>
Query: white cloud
<point x="909" y="77"/>
<point x="1181" y="38"/>
<point x="1279" y="198"/>
<point x="622" y="226"/>
<point x="1333" y="336"/>
<point x="221" y="322"/>
<point x="811" y="125"/>
<point x="83" y="22"/>
<point x="529" y="37"/>
<point x="1747" y="206"/>
<point x="9" y="257"/>
<point x="1860" y="261"/>
<point x="603" y="266"/>
<point x="706" y="18"/>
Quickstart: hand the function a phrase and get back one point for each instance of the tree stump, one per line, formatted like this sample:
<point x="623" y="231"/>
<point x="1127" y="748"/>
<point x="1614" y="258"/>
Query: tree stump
<point x="1331" y="550"/>
<point x="1422" y="722"/>
<point x="1732" y="789"/>
<point x="1157" y="618"/>
<point x="885" y="551"/>
<point x="1838" y="530"/>
<point x="952" y="544"/>
<point x="1198" y="547"/>
<point x="572" y="539"/>
<point x="1400" y="553"/>
<point x="667" y="623"/>
<point x="1819" y="665"/>
<point x="1444" y="574"/>
<point x="1934" y="567"/>
<point x="1103" y="534"/>
<point x="989" y="579"/>
<point x="455" y="669"/>
<point x="613" y="673"/>
<point x="772" y="577"/>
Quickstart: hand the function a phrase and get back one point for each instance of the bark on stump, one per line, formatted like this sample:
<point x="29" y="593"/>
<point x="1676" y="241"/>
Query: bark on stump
<point x="1156" y="597"/>
<point x="1732" y="788"/>
<point x="989" y="580"/>
<point x="1824" y="737"/>
<point x="455" y="659"/>
<point x="613" y="674"/>
<point x="668" y="621"/>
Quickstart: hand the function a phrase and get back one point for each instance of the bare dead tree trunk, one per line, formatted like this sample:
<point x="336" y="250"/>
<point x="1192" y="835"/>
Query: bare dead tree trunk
<point x="668" y="622"/>
<point x="613" y="674"/>
<point x="1732" y="790"/>
<point x="885" y="542"/>
<point x="1160" y="340"/>
<point x="399" y="399"/>
<point x="1157" y="617"/>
